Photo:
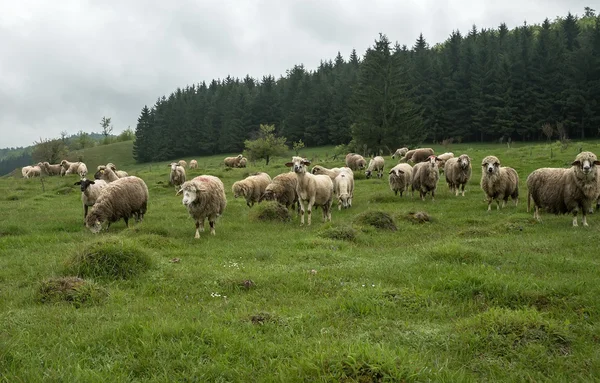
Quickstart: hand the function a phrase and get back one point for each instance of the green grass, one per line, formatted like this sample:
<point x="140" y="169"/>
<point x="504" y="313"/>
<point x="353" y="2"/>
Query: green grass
<point x="463" y="295"/>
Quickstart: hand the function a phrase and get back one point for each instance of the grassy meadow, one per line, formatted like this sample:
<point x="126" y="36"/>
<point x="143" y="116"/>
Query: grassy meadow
<point x="468" y="296"/>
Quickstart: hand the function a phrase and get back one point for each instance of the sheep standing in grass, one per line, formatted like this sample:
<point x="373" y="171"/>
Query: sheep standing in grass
<point x="119" y="173"/>
<point x="458" y="173"/>
<point x="69" y="167"/>
<point x="355" y="161"/>
<point x="562" y="191"/>
<point x="124" y="198"/>
<point x="400" y="178"/>
<point x="251" y="188"/>
<point x="182" y="163"/>
<point x="232" y="162"/>
<point x="499" y="182"/>
<point x="312" y="190"/>
<point x="407" y="156"/>
<point x="25" y="169"/>
<point x="421" y="155"/>
<point x="106" y="173"/>
<point x="375" y="164"/>
<point x="82" y="170"/>
<point x="204" y="197"/>
<point x="52" y="170"/>
<point x="332" y="173"/>
<point x="193" y="164"/>
<point x="90" y="191"/>
<point x="35" y="171"/>
<point x="177" y="175"/>
<point x="283" y="190"/>
<point x="343" y="187"/>
<point x="443" y="158"/>
<point x="425" y="177"/>
<point x="400" y="153"/>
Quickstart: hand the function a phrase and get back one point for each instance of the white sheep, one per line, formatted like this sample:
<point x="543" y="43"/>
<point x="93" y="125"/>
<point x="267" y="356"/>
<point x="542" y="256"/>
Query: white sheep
<point x="283" y="190"/>
<point x="119" y="173"/>
<point x="561" y="191"/>
<point x="332" y="173"/>
<point x="400" y="153"/>
<point x="243" y="162"/>
<point x="458" y="173"/>
<point x="52" y="170"/>
<point x="232" y="162"/>
<point x="400" y="178"/>
<point x="425" y="177"/>
<point x="312" y="190"/>
<point x="204" y="197"/>
<point x="443" y="158"/>
<point x="106" y="173"/>
<point x="251" y="187"/>
<point x="193" y="164"/>
<point x="420" y="155"/>
<point x="182" y="163"/>
<point x="498" y="182"/>
<point x="25" y="169"/>
<point x="343" y="187"/>
<point x="35" y="171"/>
<point x="90" y="191"/>
<point x="82" y="170"/>
<point x="177" y="175"/>
<point x="375" y="164"/>
<point x="69" y="167"/>
<point x="355" y="161"/>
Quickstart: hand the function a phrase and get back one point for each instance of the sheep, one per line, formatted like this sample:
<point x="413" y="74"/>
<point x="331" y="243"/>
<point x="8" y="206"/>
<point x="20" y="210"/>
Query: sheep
<point x="106" y="173"/>
<point x="332" y="173"/>
<point x="407" y="156"/>
<point x="561" y="191"/>
<point x="25" y="169"/>
<point x="35" y="171"/>
<point x="204" y="196"/>
<point x="69" y="167"/>
<point x="400" y="153"/>
<point x="123" y="198"/>
<point x="425" y="177"/>
<point x="232" y="162"/>
<point x="243" y="162"/>
<point x="193" y="164"/>
<point x="119" y="173"/>
<point x="499" y="182"/>
<point x="375" y="163"/>
<point x="182" y="163"/>
<point x="458" y="173"/>
<point x="90" y="191"/>
<point x="355" y="161"/>
<point x="443" y="158"/>
<point x="82" y="170"/>
<point x="343" y="187"/>
<point x="177" y="175"/>
<point x="312" y="190"/>
<point x="52" y="170"/>
<point x="251" y="188"/>
<point x="283" y="190"/>
<point x="400" y="178"/>
<point x="421" y="155"/>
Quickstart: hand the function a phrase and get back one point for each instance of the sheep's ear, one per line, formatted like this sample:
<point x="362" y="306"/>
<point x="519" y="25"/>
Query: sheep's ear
<point x="306" y="162"/>
<point x="288" y="164"/>
<point x="179" y="191"/>
<point x="496" y="164"/>
<point x="77" y="183"/>
<point x="400" y="171"/>
<point x="91" y="182"/>
<point x="576" y="163"/>
<point x="596" y="162"/>
<point x="390" y="172"/>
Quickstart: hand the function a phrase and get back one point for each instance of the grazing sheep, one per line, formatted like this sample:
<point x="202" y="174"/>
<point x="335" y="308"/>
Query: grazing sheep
<point x="458" y="173"/>
<point x="82" y="170"/>
<point x="52" y="170"/>
<point x="124" y="198"/>
<point x="177" y="175"/>
<point x="312" y="189"/>
<point x="182" y="163"/>
<point x="90" y="191"/>
<point x="204" y="197"/>
<point x="443" y="158"/>
<point x="400" y="153"/>
<point x="375" y="164"/>
<point x="425" y="177"/>
<point x="243" y="162"/>
<point x="421" y="155"/>
<point x="232" y="162"/>
<point x="407" y="156"/>
<point x="561" y="191"/>
<point x="106" y="173"/>
<point x="35" y="171"/>
<point x="400" y="178"/>
<point x="24" y="170"/>
<point x="343" y="187"/>
<point x="193" y="164"/>
<point x="355" y="161"/>
<point x="251" y="188"/>
<point x="119" y="173"/>
<point x="332" y="173"/>
<point x="283" y="190"/>
<point x="499" y="182"/>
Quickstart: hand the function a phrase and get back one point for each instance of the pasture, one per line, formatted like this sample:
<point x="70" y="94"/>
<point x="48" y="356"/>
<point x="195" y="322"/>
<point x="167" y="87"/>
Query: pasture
<point x="467" y="296"/>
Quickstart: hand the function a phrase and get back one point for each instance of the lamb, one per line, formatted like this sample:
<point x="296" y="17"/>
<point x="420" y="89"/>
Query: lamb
<point x="182" y="163"/>
<point x="355" y="161"/>
<point x="343" y="187"/>
<point x="458" y="173"/>
<point x="25" y="169"/>
<point x="283" y="190"/>
<point x="232" y="162"/>
<point x="443" y="158"/>
<point x="400" y="153"/>
<point x="499" y="182"/>
<point x="400" y="178"/>
<point x="421" y="155"/>
<point x="332" y="173"/>
<point x="90" y="191"/>
<point x="193" y="164"/>
<point x="106" y="173"/>
<point x="375" y="163"/>
<point x="119" y="173"/>
<point x="425" y="177"/>
<point x="177" y="175"/>
<point x="312" y="190"/>
<point x="35" y="171"/>
<point x="562" y="191"/>
<point x="123" y="198"/>
<point x="251" y="188"/>
<point x="204" y="196"/>
<point x="51" y="170"/>
<point x="243" y="162"/>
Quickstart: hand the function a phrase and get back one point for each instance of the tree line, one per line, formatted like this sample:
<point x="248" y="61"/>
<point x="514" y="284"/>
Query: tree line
<point x="528" y="83"/>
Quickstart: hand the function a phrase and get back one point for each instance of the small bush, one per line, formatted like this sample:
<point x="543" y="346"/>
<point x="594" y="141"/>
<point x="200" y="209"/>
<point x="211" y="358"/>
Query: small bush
<point x="109" y="258"/>
<point x="378" y="219"/>
<point x="418" y="217"/>
<point x="70" y="289"/>
<point x="344" y="233"/>
<point x="270" y="211"/>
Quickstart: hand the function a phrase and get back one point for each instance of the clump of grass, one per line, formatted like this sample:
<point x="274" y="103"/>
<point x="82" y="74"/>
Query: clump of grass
<point x="453" y="252"/>
<point x="65" y="190"/>
<point x="418" y="217"/>
<point x="263" y="318"/>
<point x="343" y="233"/>
<point x="109" y="258"/>
<point x="13" y="197"/>
<point x="382" y="197"/>
<point x="270" y="211"/>
<point x="376" y="218"/>
<point x="73" y="290"/>
<point x="13" y="230"/>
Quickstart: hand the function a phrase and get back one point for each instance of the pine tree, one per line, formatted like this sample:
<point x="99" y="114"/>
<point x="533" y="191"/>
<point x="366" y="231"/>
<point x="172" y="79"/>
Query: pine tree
<point x="141" y="145"/>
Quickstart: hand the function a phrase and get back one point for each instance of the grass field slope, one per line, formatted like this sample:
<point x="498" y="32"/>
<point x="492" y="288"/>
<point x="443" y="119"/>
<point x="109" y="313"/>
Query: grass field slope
<point x="393" y="289"/>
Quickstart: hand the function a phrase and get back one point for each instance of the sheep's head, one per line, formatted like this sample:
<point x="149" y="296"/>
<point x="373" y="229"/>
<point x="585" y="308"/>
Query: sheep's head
<point x="268" y="195"/>
<point x="585" y="161"/>
<point x="464" y="161"/>
<point x="298" y="164"/>
<point x="84" y="183"/>
<point x="491" y="165"/>
<point x="396" y="172"/>
<point x="343" y="199"/>
<point x="190" y="192"/>
<point x="317" y="169"/>
<point x="92" y="222"/>
<point x="361" y="163"/>
<point x="433" y="161"/>
<point x="239" y="189"/>
<point x="173" y="166"/>
<point x="111" y="166"/>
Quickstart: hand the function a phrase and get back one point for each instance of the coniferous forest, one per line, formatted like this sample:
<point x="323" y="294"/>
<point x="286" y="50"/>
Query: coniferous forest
<point x="482" y="85"/>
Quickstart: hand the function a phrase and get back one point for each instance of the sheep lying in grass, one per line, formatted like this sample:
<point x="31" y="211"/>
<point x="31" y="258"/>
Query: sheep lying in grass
<point x="106" y="173"/>
<point x="400" y="153"/>
<point x="499" y="182"/>
<point x="343" y="187"/>
<point x="177" y="175"/>
<point x="119" y="173"/>
<point x="400" y="178"/>
<point x="442" y="160"/>
<point x="562" y="191"/>
<point x="355" y="161"/>
<point x="204" y="197"/>
<point x="90" y="191"/>
<point x="182" y="163"/>
<point x="251" y="188"/>
<point x="52" y="170"/>
<point x="420" y="155"/>
<point x="458" y="173"/>
<point x="193" y="164"/>
<point x="25" y="169"/>
<point x="283" y="190"/>
<point x="232" y="162"/>
<point x="124" y="198"/>
<point x="425" y="177"/>
<point x="312" y="189"/>
<point x="332" y="173"/>
<point x="375" y="164"/>
<point x="243" y="162"/>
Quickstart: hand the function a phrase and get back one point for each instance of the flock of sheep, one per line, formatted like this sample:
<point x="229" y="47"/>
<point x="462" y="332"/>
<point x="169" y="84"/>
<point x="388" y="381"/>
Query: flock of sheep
<point x="113" y="194"/>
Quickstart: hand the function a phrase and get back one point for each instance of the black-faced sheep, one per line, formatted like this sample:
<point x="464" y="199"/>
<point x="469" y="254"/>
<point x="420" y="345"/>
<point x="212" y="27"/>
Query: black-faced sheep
<point x="124" y="198"/>
<point x="312" y="190"/>
<point x="204" y="197"/>
<point x="375" y="164"/>
<point x="251" y="188"/>
<point x="458" y="173"/>
<point x="425" y="177"/>
<point x="90" y="191"/>
<point x="343" y="187"/>
<point x="232" y="162"/>
<point x="499" y="182"/>
<point x="420" y="155"/>
<point x="400" y="153"/>
<point x="177" y="175"/>
<point x="193" y="164"/>
<point x="400" y="178"/>
<point x="355" y="161"/>
<point x="283" y="190"/>
<point x="562" y="191"/>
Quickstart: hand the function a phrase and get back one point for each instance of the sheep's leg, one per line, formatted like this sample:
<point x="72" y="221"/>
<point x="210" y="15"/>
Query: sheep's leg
<point x="396" y="193"/>
<point x="575" y="218"/>
<point x="126" y="219"/>
<point x="339" y="205"/>
<point x="85" y="211"/>
<point x="198" y="226"/>
<point x="300" y="202"/>
<point x="311" y="202"/>
<point x="584" y="219"/>
<point x="489" y="201"/>
<point x="432" y="195"/>
<point x="463" y="190"/>
<point x="202" y="224"/>
<point x="211" y="222"/>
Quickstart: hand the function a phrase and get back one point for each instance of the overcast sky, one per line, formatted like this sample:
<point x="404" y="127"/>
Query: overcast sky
<point x="65" y="64"/>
